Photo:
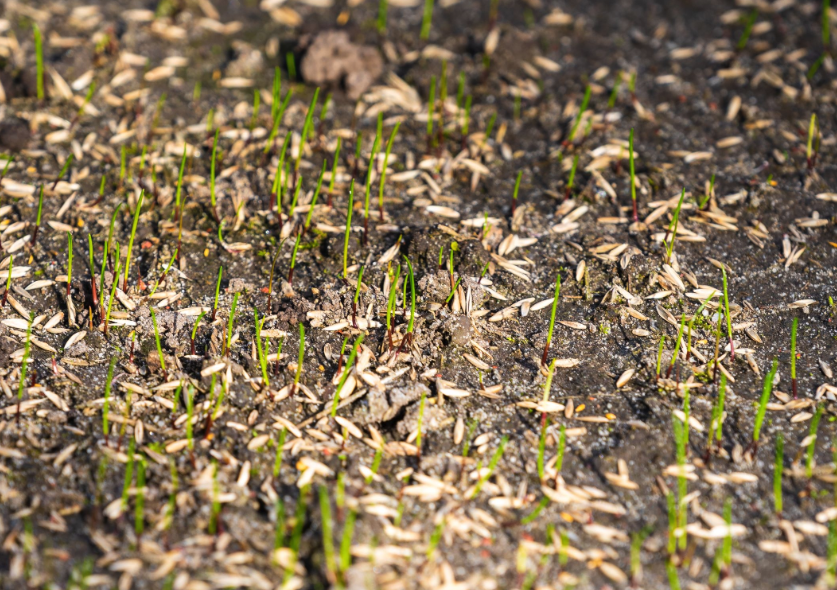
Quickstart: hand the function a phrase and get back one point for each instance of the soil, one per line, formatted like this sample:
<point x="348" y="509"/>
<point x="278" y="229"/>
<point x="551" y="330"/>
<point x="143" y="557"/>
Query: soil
<point x="432" y="461"/>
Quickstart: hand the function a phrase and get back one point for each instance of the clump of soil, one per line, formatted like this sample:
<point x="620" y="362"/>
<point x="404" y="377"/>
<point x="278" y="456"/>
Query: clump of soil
<point x="332" y="58"/>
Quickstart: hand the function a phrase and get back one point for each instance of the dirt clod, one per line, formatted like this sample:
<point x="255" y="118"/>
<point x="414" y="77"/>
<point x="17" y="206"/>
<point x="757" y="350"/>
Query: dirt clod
<point x="333" y="59"/>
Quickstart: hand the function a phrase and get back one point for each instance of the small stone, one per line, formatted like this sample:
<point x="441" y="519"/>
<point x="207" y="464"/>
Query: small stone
<point x="459" y="330"/>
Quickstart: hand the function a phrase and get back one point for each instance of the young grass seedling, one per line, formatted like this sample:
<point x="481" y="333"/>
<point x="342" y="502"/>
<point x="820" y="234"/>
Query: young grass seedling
<point x="129" y="474"/>
<point x="334" y="173"/>
<point x="190" y="412"/>
<point x="293" y="261"/>
<point x="345" y="376"/>
<point x="382" y="17"/>
<point x="300" y="358"/>
<point x="633" y="172"/>
<point x="384" y="171"/>
<point x="306" y="128"/>
<point x="8" y="279"/>
<point x="24" y="364"/>
<point x="727" y="314"/>
<point x="157" y="341"/>
<point x="676" y="345"/>
<point x="277" y="119"/>
<point x="217" y="291"/>
<point x="812" y="436"/>
<point x="514" y="194"/>
<point x="426" y="19"/>
<point x="313" y="203"/>
<point x="765" y="397"/>
<point x="584" y="102"/>
<point x="215" y="508"/>
<point x="692" y="324"/>
<point x="280" y="177"/>
<point x="113" y="289"/>
<point x="370" y="170"/>
<point x="139" y="505"/>
<point x="793" y="357"/>
<point x="491" y="466"/>
<point x="67" y="163"/>
<point x="39" y="61"/>
<point x="178" y="209"/>
<point x="212" y="173"/>
<point x="831" y="553"/>
<point x="348" y="229"/>
<point x="259" y="348"/>
<point x="69" y="262"/>
<point x="357" y="296"/>
<point x="92" y="270"/>
<point x="165" y="273"/>
<point x="131" y="241"/>
<point x="716" y="430"/>
<point x="328" y="538"/>
<point x="195" y="331"/>
<point x="230" y="324"/>
<point x="778" y="467"/>
<point x="542" y="449"/>
<point x="708" y="194"/>
<point x="571" y="181"/>
<point x="106" y="405"/>
<point x="748" y="29"/>
<point x="393" y="291"/>
<point x="672" y="227"/>
<point x="38" y="217"/>
<point x="637" y="539"/>
<point x="9" y="159"/>
<point x="552" y="319"/>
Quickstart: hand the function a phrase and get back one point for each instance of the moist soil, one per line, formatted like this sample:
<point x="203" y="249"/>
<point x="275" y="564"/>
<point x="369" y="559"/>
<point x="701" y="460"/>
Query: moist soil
<point x="418" y="519"/>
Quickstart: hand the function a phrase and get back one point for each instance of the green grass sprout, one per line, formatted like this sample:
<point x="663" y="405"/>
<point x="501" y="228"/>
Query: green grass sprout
<point x="812" y="436"/>
<point x="793" y="357"/>
<point x="131" y="241"/>
<point x="765" y="397"/>
<point x="230" y="324"/>
<point x="633" y="173"/>
<point x="384" y="170"/>
<point x="495" y="459"/>
<point x="346" y="371"/>
<point x="426" y="19"/>
<point x="672" y="228"/>
<point x="159" y="346"/>
<point x="348" y="230"/>
<point x="69" y="261"/>
<point x="39" y="61"/>
<point x="552" y="319"/>
<point x="584" y="103"/>
<point x="217" y="291"/>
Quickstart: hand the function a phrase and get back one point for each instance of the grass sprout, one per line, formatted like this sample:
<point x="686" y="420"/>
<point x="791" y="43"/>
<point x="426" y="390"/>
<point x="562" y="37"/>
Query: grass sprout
<point x="491" y="466"/>
<point x="552" y="319"/>
<point x="672" y="227"/>
<point x="812" y="436"/>
<point x="345" y="376"/>
<point x="793" y="357"/>
<point x="159" y="346"/>
<point x="131" y="241"/>
<point x="584" y="103"/>
<point x="633" y="172"/>
<point x="39" y="61"/>
<point x="348" y="229"/>
<point x="765" y="397"/>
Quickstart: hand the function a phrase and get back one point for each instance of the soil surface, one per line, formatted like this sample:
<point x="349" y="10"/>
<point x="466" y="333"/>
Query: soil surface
<point x="379" y="389"/>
